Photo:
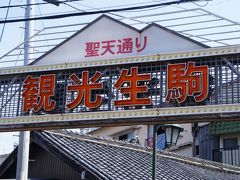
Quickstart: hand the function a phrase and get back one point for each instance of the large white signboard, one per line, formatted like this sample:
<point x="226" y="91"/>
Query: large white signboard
<point x="107" y="38"/>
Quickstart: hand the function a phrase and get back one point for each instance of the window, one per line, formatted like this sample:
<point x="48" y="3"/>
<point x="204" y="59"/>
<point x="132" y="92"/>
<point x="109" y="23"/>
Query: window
<point x="197" y="150"/>
<point x="127" y="136"/>
<point x="229" y="143"/>
<point x="161" y="141"/>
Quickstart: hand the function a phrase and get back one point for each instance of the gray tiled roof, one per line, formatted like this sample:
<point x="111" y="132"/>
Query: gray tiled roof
<point x="118" y="160"/>
<point x="3" y="157"/>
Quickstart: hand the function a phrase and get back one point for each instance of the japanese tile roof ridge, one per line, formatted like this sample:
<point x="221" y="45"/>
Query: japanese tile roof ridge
<point x="96" y="139"/>
<point x="215" y="166"/>
<point x="202" y="162"/>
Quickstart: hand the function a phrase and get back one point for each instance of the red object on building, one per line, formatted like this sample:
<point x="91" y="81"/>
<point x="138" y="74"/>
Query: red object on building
<point x="84" y="90"/>
<point x="120" y="46"/>
<point x="108" y="46"/>
<point x="38" y="92"/>
<point x="133" y="89"/>
<point x="125" y="46"/>
<point x="149" y="142"/>
<point x="30" y="93"/>
<point x="187" y="80"/>
<point x="92" y="49"/>
<point x="139" y="45"/>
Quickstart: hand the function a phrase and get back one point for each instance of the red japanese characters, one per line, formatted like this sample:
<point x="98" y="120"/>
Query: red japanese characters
<point x="121" y="46"/>
<point x="183" y="80"/>
<point x="38" y="92"/>
<point x="133" y="89"/>
<point x="83" y="90"/>
<point x="187" y="80"/>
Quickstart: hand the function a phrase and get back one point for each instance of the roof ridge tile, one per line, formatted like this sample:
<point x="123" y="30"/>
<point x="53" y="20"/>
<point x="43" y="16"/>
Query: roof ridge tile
<point x="160" y="153"/>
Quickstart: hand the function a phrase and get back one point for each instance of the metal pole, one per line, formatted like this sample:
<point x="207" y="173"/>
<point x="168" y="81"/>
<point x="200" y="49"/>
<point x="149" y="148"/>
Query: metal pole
<point x="24" y="138"/>
<point x="23" y="155"/>
<point x="29" y="31"/>
<point x="154" y="152"/>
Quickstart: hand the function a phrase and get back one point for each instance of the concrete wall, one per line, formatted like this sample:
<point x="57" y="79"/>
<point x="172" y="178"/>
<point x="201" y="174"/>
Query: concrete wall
<point x="186" y="135"/>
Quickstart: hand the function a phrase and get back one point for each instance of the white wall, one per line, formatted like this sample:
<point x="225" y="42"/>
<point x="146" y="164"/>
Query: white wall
<point x="186" y="135"/>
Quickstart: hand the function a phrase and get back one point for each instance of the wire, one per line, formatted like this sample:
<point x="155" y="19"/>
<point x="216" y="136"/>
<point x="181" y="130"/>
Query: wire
<point x="77" y="3"/>
<point x="82" y="10"/>
<point x="196" y="11"/>
<point x="201" y="5"/>
<point x="39" y="9"/>
<point x="93" y="8"/>
<point x="5" y="20"/>
<point x="97" y="12"/>
<point x="20" y="53"/>
<point x="108" y="7"/>
<point x="149" y="9"/>
<point x="73" y="7"/>
<point x="35" y="4"/>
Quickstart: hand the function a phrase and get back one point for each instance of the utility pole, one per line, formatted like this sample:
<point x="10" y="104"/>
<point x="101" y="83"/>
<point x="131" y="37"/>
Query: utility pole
<point x="29" y="31"/>
<point x="24" y="138"/>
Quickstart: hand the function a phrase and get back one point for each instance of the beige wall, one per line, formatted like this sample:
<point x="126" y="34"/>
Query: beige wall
<point x="186" y="135"/>
<point x="139" y="130"/>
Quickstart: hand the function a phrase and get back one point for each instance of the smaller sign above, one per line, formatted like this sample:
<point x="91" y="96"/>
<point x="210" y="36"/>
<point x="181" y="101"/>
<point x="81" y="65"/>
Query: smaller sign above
<point x="120" y="46"/>
<point x="107" y="38"/>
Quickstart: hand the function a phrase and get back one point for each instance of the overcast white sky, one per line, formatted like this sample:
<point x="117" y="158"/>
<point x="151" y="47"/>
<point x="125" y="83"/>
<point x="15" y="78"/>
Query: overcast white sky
<point x="13" y="33"/>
